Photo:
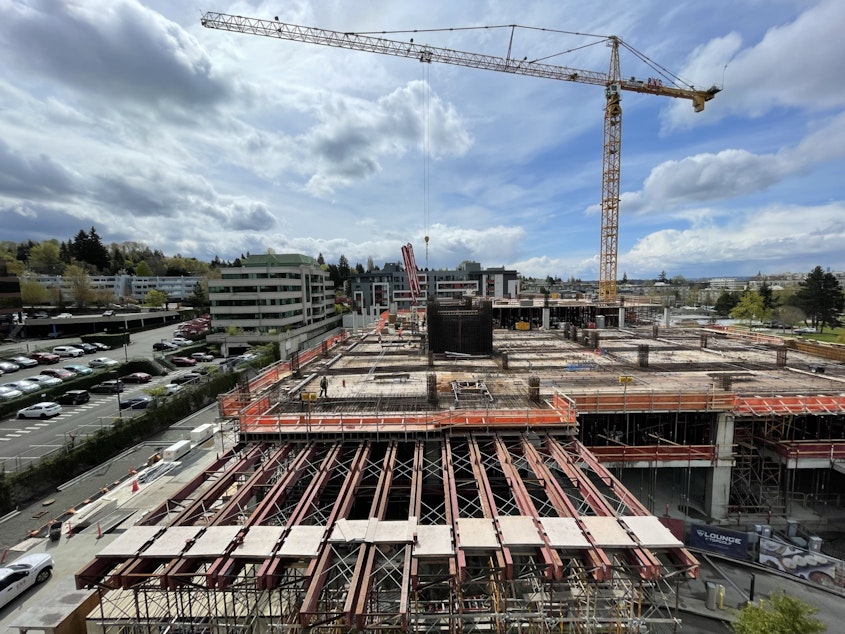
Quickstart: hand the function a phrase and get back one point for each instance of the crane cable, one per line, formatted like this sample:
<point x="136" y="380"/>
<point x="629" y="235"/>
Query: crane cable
<point x="426" y="152"/>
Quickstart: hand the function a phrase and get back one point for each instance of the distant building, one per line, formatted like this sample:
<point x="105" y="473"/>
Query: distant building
<point x="387" y="288"/>
<point x="272" y="297"/>
<point x="177" y="287"/>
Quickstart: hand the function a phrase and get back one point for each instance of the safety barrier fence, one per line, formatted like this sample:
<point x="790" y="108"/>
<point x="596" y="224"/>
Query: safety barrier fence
<point x="655" y="453"/>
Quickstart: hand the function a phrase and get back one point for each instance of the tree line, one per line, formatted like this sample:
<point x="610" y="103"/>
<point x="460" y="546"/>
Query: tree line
<point x="818" y="300"/>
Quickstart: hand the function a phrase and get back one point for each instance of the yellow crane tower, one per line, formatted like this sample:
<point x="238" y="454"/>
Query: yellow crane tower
<point x="611" y="80"/>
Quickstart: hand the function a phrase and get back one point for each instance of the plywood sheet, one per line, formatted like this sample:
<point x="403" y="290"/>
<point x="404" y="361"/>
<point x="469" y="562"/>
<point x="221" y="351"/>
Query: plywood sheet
<point x="477" y="532"/>
<point x="519" y="530"/>
<point x="564" y="533"/>
<point x="434" y="541"/>
<point x="349" y="530"/>
<point x="302" y="541"/>
<point x="650" y="532"/>
<point x="214" y="541"/>
<point x="172" y="542"/>
<point x="393" y="532"/>
<point x="259" y="542"/>
<point x="130" y="542"/>
<point x="607" y="532"/>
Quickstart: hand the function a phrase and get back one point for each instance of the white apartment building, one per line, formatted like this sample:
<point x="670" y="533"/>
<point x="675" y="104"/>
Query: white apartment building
<point x="272" y="297"/>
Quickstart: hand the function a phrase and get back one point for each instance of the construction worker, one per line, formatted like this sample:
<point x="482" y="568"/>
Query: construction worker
<point x="324" y="387"/>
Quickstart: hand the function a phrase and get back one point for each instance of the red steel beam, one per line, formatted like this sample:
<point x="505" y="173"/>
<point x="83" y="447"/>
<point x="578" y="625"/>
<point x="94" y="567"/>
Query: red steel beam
<point x="551" y="558"/>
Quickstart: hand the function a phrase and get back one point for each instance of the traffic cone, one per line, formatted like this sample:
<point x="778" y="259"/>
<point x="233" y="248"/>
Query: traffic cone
<point x="134" y="486"/>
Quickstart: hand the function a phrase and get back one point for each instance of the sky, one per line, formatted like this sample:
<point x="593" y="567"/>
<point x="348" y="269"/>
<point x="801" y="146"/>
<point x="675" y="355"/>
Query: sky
<point x="130" y="117"/>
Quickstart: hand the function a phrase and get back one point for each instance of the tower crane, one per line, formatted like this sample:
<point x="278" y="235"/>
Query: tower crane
<point x="612" y="81"/>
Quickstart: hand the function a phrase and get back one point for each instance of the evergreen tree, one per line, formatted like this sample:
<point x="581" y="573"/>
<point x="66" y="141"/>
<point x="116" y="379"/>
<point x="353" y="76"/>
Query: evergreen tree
<point x="320" y="259"/>
<point x="726" y="303"/>
<point x="359" y="268"/>
<point x="820" y="297"/>
<point x="343" y="267"/>
<point x="769" y="300"/>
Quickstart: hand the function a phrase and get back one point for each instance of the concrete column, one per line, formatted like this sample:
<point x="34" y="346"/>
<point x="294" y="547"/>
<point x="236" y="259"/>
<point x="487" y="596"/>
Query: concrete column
<point x="718" y="484"/>
<point x="621" y="317"/>
<point x="546" y="318"/>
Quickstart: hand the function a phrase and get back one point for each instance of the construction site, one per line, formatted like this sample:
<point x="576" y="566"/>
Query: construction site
<point x="429" y="488"/>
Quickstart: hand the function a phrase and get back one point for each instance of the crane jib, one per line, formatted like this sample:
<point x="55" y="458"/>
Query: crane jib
<point x="612" y="81"/>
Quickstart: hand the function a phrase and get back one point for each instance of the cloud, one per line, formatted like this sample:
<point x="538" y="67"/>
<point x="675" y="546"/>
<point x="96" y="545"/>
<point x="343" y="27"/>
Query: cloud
<point x="780" y="235"/>
<point x="33" y="177"/>
<point x="794" y="65"/>
<point x="114" y="49"/>
<point x="353" y="136"/>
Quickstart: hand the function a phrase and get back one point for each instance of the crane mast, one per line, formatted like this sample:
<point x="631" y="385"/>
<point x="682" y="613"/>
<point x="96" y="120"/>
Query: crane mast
<point x="612" y="81"/>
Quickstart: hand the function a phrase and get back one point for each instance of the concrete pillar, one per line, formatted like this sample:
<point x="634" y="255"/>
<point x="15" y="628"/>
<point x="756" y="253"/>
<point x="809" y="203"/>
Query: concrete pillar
<point x="621" y="317"/>
<point x="546" y="318"/>
<point x="718" y="485"/>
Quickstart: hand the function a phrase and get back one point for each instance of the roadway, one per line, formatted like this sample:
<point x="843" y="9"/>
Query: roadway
<point x="23" y="441"/>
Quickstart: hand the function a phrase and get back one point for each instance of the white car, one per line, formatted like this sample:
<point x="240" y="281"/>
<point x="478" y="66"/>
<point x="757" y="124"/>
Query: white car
<point x="43" y="380"/>
<point x="24" y="362"/>
<point x="68" y="351"/>
<point x="23" y="573"/>
<point x="45" y="409"/>
<point x="102" y="362"/>
<point x="202" y="356"/>
<point x="172" y="388"/>
<point x="179" y="341"/>
<point x="64" y="316"/>
<point x="22" y="386"/>
<point x="8" y="393"/>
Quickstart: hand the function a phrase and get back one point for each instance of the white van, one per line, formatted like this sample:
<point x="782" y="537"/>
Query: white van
<point x="68" y="351"/>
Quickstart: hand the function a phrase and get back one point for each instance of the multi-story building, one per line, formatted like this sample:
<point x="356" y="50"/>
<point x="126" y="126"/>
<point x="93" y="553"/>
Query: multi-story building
<point x="272" y="297"/>
<point x="388" y="289"/>
<point x="177" y="287"/>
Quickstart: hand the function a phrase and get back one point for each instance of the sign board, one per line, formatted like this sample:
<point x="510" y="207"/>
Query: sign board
<point x="309" y="396"/>
<point x="719" y="540"/>
<point x="626" y="378"/>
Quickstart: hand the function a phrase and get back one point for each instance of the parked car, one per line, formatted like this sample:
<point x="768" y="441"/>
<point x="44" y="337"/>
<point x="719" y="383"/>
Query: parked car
<point x="59" y="373"/>
<point x="180" y="341"/>
<point x="164" y="346"/>
<point x="188" y="377"/>
<point x="74" y="397"/>
<point x="171" y="388"/>
<point x="202" y="356"/>
<point x="41" y="315"/>
<point x="45" y="358"/>
<point x="24" y="362"/>
<point x="68" y="351"/>
<point x="108" y="313"/>
<point x="81" y="370"/>
<point x="102" y="362"/>
<point x="137" y="377"/>
<point x="112" y="386"/>
<point x="183" y="361"/>
<point x="8" y="393"/>
<point x="45" y="409"/>
<point x="99" y="345"/>
<point x="136" y="402"/>
<point x="88" y="348"/>
<point x="64" y="316"/>
<point x="23" y="573"/>
<point x="27" y="387"/>
<point x="43" y="380"/>
<point x="8" y="366"/>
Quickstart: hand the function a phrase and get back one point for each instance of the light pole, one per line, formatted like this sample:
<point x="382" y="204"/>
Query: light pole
<point x="117" y="388"/>
<point x="125" y="343"/>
